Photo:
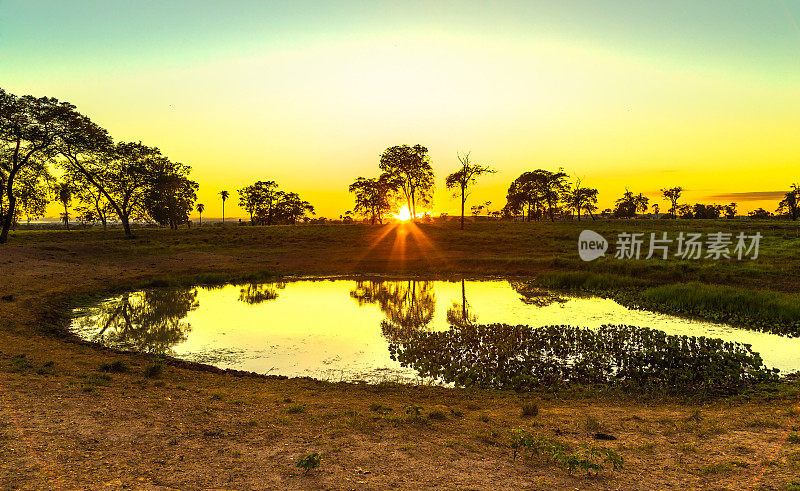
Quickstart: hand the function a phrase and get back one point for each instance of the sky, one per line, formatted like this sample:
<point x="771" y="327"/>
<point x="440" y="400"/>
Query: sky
<point x="621" y="94"/>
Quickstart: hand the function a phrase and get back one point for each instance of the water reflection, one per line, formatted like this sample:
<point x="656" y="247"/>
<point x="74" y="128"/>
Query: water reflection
<point x="406" y="304"/>
<point x="256" y="293"/>
<point x="151" y="321"/>
<point x="342" y="329"/>
<point x="532" y="295"/>
<point x="460" y="313"/>
<point x="523" y="358"/>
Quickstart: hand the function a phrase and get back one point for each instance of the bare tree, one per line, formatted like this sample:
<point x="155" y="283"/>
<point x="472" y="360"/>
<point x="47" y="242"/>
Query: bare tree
<point x="464" y="177"/>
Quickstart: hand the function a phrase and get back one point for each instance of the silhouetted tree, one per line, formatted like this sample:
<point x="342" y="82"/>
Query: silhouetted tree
<point x="730" y="210"/>
<point x="524" y="197"/>
<point x="170" y="194"/>
<point x="760" y="213"/>
<point x="409" y="170"/>
<point x="224" y="195"/>
<point x="200" y="209"/>
<point x="29" y="130"/>
<point x="290" y="207"/>
<point x="258" y="200"/>
<point x="64" y="195"/>
<point x="673" y="195"/>
<point x="791" y="203"/>
<point x="464" y="177"/>
<point x="580" y="198"/>
<point x="373" y="197"/>
<point x="630" y="204"/>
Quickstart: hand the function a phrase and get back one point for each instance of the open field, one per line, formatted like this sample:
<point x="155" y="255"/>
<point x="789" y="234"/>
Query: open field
<point x="71" y="418"/>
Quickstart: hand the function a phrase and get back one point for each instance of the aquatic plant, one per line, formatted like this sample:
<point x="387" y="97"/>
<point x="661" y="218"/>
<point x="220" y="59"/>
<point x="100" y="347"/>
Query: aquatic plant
<point x="632" y="358"/>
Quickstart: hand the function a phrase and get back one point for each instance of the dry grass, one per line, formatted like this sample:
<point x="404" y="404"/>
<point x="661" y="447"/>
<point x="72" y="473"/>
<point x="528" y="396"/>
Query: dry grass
<point x="74" y="415"/>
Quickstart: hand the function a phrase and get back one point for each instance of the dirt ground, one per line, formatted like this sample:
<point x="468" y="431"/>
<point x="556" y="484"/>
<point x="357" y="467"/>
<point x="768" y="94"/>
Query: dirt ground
<point x="65" y="424"/>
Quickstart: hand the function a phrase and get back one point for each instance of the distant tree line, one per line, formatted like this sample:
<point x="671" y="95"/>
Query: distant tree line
<point x="51" y="152"/>
<point x="267" y="205"/>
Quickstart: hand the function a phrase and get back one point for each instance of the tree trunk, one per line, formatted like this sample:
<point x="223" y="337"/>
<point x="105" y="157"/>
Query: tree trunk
<point x="126" y="226"/>
<point x="463" y="199"/>
<point x="66" y="216"/>
<point x="223" y="212"/>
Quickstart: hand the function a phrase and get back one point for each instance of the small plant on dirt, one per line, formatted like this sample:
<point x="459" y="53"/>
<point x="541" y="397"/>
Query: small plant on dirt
<point x="20" y="363"/>
<point x="530" y="410"/>
<point x="48" y="368"/>
<point x="310" y="462"/>
<point x="793" y="438"/>
<point x="438" y="415"/>
<point x="589" y="459"/>
<point x="296" y="409"/>
<point x="154" y="371"/>
<point x="413" y="410"/>
<point x="379" y="408"/>
<point x="117" y="366"/>
<point x="592" y="425"/>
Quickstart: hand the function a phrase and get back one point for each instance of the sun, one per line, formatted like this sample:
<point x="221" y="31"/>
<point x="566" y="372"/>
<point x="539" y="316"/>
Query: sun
<point x="403" y="215"/>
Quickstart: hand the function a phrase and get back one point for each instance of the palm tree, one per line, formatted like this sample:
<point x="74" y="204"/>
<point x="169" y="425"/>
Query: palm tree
<point x="64" y="192"/>
<point x="200" y="209"/>
<point x="224" y="195"/>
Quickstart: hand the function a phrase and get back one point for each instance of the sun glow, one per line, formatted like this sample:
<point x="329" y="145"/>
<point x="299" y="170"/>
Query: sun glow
<point x="403" y="215"/>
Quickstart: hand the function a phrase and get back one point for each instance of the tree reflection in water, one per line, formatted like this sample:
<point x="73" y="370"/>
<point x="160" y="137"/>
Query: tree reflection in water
<point x="256" y="293"/>
<point x="408" y="305"/>
<point x="150" y="321"/>
<point x="532" y="295"/>
<point x="459" y="314"/>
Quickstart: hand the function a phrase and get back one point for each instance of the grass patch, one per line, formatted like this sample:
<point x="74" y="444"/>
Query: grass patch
<point x="770" y="310"/>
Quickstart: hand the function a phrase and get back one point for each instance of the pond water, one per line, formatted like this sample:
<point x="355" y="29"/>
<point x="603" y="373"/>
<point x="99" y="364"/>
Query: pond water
<point x="337" y="329"/>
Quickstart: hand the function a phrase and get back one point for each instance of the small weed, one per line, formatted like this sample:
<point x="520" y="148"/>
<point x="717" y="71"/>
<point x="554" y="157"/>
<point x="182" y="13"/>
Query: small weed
<point x="592" y="425"/>
<point x="154" y="371"/>
<point x="588" y="459"/>
<point x="379" y="408"/>
<point x="530" y="410"/>
<point x="296" y="409"/>
<point x="483" y="417"/>
<point x="458" y="413"/>
<point x="310" y="462"/>
<point x="117" y="366"/>
<point x="20" y="363"/>
<point x="716" y="468"/>
<point x="216" y="396"/>
<point x="793" y="438"/>
<point x="413" y="410"/>
<point x="764" y="423"/>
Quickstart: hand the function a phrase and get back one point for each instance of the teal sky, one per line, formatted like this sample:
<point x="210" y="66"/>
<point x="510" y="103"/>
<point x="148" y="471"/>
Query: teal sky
<point x="287" y="90"/>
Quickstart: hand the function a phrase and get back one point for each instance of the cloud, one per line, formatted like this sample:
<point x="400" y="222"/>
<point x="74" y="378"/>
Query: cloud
<point x="750" y="196"/>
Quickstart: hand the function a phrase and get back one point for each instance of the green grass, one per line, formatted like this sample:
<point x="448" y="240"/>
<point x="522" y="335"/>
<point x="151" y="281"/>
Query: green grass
<point x="768" y="309"/>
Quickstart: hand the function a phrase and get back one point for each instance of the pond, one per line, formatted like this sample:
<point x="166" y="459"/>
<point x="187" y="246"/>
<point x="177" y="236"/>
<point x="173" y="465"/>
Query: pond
<point x="336" y="329"/>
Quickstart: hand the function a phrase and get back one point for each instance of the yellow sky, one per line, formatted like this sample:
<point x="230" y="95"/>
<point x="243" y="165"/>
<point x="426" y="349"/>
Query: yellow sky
<point x="309" y="95"/>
